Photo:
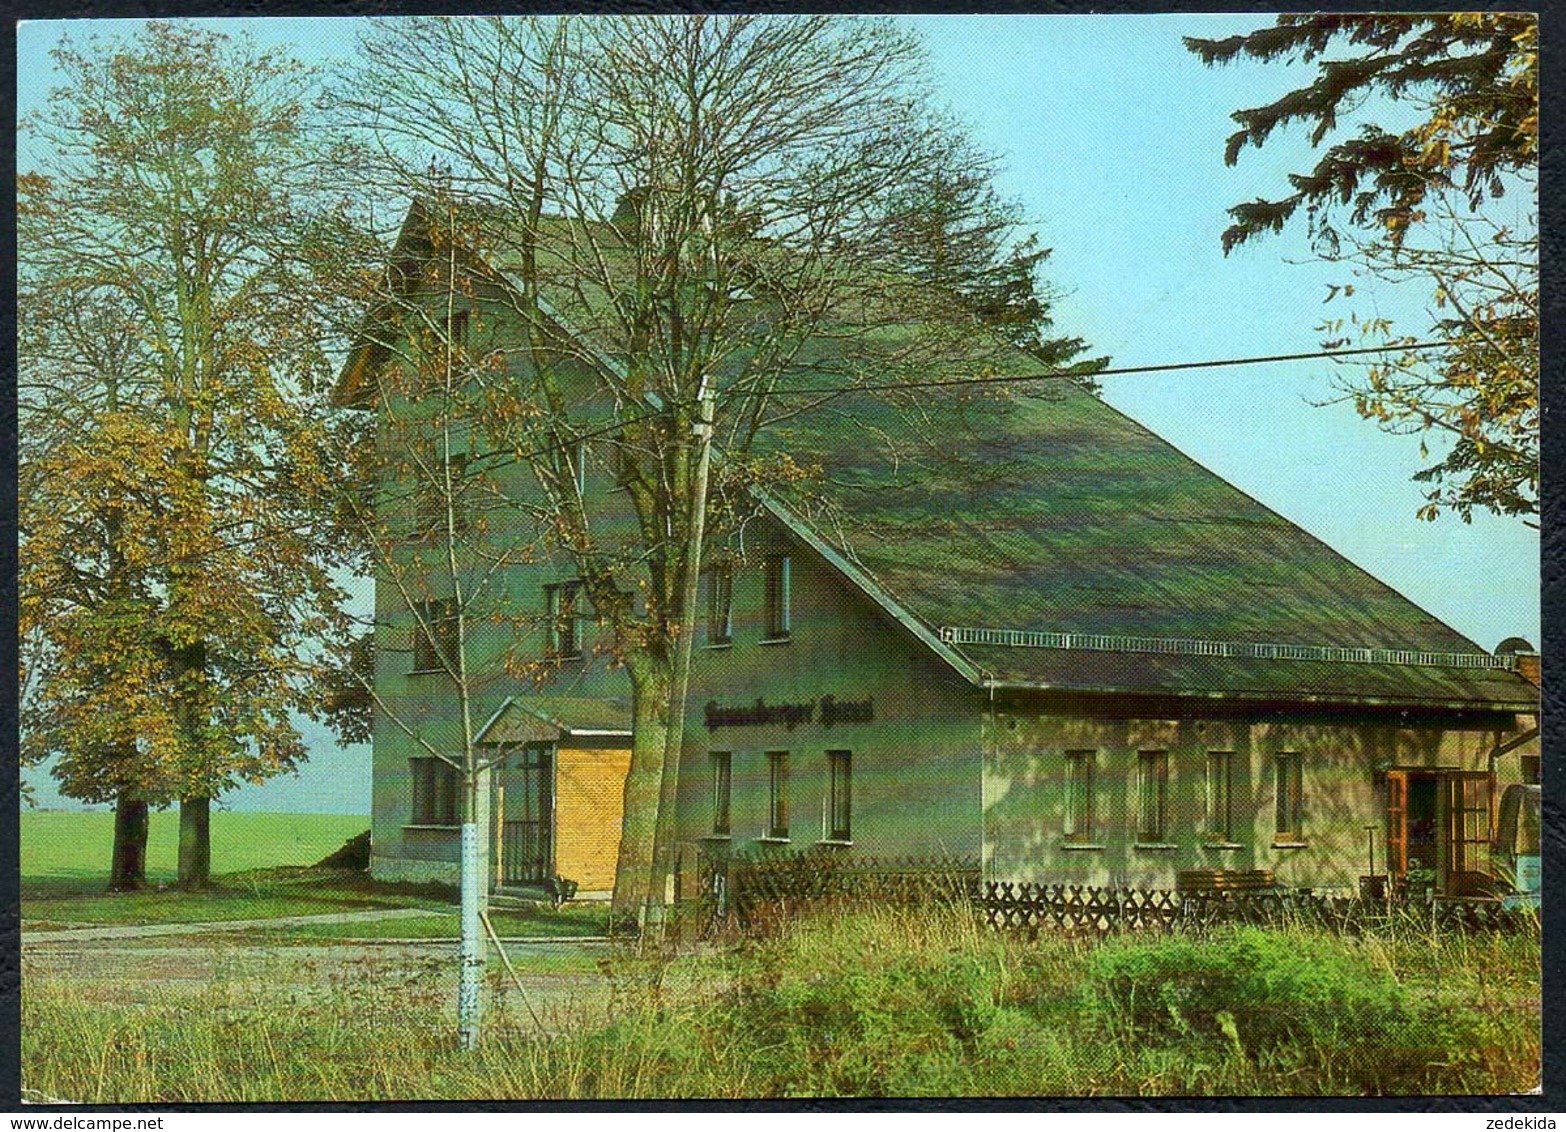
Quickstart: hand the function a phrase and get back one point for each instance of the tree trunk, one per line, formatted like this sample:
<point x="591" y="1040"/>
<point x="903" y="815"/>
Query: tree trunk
<point x="195" y="842"/>
<point x="650" y="686"/>
<point x="195" y="810"/>
<point x="128" y="870"/>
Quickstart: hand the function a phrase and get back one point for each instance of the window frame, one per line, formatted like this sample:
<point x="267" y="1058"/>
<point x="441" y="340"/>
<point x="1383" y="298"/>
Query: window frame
<point x="435" y="648"/>
<point x="571" y="465"/>
<point x="720" y="605"/>
<point x="1152" y="786"/>
<point x="563" y="636"/>
<point x="435" y="797"/>
<point x="429" y="511"/>
<point x="1220" y="797"/>
<point x="778" y="597"/>
<point x="1288" y="798"/>
<point x="1081" y="772"/>
<point x="840" y="796"/>
<point x="777" y="796"/>
<point x="721" y="764"/>
<point x="458" y="322"/>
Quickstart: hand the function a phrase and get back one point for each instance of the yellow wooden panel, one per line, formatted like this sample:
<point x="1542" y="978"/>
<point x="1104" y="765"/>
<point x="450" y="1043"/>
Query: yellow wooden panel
<point x="589" y="802"/>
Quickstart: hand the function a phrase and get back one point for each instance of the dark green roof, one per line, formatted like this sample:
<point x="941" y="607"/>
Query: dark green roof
<point x="1051" y="511"/>
<point x="1054" y="512"/>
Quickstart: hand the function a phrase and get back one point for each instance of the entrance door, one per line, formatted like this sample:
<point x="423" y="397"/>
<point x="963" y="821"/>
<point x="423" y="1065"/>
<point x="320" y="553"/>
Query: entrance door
<point x="1468" y="832"/>
<point x="527" y="844"/>
<point x="1438" y="830"/>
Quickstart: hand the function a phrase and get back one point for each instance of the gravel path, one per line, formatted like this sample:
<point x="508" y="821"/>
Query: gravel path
<point x="142" y="931"/>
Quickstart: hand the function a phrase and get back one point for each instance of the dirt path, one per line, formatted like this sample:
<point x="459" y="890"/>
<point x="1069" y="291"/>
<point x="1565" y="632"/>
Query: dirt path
<point x="561" y="979"/>
<point x="142" y="931"/>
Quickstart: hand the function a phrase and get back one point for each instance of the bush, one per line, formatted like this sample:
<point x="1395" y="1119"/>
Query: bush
<point x="1252" y="987"/>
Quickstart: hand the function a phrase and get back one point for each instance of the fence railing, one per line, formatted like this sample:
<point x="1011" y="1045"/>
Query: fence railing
<point x="755" y="892"/>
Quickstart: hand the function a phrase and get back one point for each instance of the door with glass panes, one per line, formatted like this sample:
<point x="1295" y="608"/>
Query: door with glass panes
<point x="527" y="815"/>
<point x="1439" y="826"/>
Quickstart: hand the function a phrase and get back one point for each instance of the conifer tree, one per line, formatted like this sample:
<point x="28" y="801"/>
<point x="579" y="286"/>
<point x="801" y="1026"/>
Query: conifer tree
<point x="1422" y="202"/>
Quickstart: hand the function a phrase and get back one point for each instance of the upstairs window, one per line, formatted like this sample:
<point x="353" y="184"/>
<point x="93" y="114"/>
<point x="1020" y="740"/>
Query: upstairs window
<point x="778" y="597"/>
<point x="437" y="789"/>
<point x="435" y="637"/>
<point x="1152" y="788"/>
<point x="563" y="620"/>
<point x="571" y="468"/>
<point x="430" y="503"/>
<point x="1079" y="796"/>
<point x="457" y="331"/>
<point x="720" y="605"/>
<point x="1289" y="787"/>
<point x="839" y="795"/>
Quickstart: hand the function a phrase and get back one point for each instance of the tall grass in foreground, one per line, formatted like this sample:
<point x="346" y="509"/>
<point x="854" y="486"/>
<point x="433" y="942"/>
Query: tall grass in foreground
<point x="874" y="1003"/>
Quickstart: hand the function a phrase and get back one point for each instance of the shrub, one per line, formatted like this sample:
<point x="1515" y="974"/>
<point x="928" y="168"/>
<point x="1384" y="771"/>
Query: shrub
<point x="1252" y="987"/>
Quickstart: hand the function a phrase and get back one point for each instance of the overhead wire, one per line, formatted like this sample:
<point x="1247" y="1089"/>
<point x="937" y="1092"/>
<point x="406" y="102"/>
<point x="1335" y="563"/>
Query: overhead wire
<point x="1005" y="379"/>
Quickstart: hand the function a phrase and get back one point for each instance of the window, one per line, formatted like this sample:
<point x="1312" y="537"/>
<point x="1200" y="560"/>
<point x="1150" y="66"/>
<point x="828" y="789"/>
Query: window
<point x="777" y="794"/>
<point x="563" y="635"/>
<point x="571" y="466"/>
<point x="435" y="641"/>
<point x="1530" y="769"/>
<point x="436" y="790"/>
<point x="457" y="331"/>
<point x="722" y="766"/>
<point x="778" y="581"/>
<point x="720" y="605"/>
<point x="1220" y="796"/>
<point x="1079" y="796"/>
<point x="1152" y="784"/>
<point x="1290" y="797"/>
<point x="430" y="504"/>
<point x="839" y="795"/>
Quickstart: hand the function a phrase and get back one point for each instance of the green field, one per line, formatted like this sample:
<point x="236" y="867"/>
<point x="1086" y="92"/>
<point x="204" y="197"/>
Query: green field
<point x="259" y="871"/>
<point x="65" y="852"/>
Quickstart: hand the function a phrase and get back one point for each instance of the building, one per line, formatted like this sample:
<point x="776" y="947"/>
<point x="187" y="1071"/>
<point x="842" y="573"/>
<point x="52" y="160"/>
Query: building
<point x="1022" y="631"/>
<point x="1076" y="655"/>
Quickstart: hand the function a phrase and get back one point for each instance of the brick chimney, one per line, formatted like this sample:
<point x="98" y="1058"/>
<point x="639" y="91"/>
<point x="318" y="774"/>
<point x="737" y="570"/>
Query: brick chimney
<point x="1528" y="667"/>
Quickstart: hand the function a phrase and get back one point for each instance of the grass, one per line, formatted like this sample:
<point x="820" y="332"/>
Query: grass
<point x="262" y="861"/>
<point x="852" y="1005"/>
<point x="65" y="852"/>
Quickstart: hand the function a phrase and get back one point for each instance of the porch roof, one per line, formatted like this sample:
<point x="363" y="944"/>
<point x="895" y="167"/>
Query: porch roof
<point x="544" y="718"/>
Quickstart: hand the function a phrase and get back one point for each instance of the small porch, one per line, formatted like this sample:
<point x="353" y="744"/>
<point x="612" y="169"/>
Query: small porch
<point x="557" y="795"/>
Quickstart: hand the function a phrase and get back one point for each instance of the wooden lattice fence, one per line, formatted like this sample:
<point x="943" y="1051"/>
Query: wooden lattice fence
<point x="753" y="889"/>
<point x="757" y="892"/>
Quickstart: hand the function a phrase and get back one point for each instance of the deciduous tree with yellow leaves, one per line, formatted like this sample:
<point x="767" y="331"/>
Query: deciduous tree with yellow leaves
<point x="176" y="292"/>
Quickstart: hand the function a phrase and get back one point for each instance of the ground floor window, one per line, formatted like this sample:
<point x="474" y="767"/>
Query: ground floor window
<point x="839" y="795"/>
<point x="722" y="767"/>
<point x="1289" y="788"/>
<point x="1220" y="795"/>
<point x="436" y="792"/>
<point x="777" y="794"/>
<point x="1079" y="796"/>
<point x="1152" y="793"/>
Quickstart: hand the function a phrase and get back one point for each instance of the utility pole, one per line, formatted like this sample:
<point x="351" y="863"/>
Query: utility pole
<point x="660" y="893"/>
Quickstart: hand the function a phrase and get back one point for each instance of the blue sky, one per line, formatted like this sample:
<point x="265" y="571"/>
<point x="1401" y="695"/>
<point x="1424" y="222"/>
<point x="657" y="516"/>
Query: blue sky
<point x="1112" y="135"/>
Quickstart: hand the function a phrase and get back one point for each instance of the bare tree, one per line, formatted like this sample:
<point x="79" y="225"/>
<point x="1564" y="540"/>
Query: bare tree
<point x="679" y="213"/>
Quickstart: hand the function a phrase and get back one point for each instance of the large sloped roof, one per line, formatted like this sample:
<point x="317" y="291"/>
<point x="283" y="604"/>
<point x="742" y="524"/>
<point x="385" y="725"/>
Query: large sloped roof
<point x="1054" y="512"/>
<point x="1050" y="511"/>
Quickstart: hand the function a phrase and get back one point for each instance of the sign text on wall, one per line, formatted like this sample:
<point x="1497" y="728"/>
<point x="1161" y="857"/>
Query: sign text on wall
<point x="828" y="710"/>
